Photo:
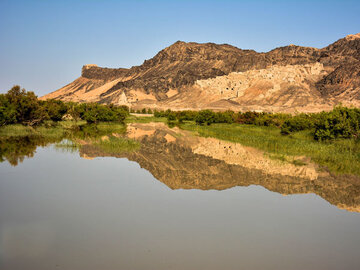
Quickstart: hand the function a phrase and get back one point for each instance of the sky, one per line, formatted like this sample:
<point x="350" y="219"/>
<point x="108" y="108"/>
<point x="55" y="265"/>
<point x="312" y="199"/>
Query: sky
<point x="45" y="43"/>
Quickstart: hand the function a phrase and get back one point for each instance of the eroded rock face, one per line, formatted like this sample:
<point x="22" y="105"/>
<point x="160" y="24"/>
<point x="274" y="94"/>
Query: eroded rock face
<point x="275" y="88"/>
<point x="182" y="161"/>
<point x="171" y="78"/>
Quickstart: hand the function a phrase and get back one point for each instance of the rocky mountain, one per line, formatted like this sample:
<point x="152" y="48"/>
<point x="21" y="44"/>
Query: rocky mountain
<point x="198" y="76"/>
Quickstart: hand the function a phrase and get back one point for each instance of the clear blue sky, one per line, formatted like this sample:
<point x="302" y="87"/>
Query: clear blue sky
<point x="43" y="44"/>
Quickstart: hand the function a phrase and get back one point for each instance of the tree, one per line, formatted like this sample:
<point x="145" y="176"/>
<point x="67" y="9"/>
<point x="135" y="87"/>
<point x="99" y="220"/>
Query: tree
<point x="7" y="111"/>
<point x="55" y="109"/>
<point x="28" y="108"/>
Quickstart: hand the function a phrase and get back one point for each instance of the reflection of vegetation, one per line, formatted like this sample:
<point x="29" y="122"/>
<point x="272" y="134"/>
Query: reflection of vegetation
<point x="114" y="145"/>
<point x="95" y="131"/>
<point x="342" y="155"/>
<point x="67" y="146"/>
<point x="18" y="142"/>
<point x="15" y="149"/>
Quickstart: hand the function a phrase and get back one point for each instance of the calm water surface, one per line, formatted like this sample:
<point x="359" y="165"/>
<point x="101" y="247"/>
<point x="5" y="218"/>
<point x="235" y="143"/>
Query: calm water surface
<point x="152" y="209"/>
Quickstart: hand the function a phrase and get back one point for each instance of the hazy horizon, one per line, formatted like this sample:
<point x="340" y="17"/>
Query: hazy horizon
<point x="45" y="44"/>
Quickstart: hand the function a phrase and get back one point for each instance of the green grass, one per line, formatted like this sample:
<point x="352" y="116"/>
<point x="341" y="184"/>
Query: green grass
<point x="114" y="145"/>
<point x="16" y="130"/>
<point x="71" y="124"/>
<point x="48" y="129"/>
<point x="22" y="131"/>
<point x="340" y="156"/>
<point x="144" y="119"/>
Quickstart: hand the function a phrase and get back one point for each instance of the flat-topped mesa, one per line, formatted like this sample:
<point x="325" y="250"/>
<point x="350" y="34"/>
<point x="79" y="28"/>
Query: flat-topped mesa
<point x="92" y="71"/>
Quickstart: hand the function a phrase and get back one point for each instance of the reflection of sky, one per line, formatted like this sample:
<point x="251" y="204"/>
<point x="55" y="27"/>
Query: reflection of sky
<point x="27" y="240"/>
<point x="59" y="210"/>
<point x="45" y="43"/>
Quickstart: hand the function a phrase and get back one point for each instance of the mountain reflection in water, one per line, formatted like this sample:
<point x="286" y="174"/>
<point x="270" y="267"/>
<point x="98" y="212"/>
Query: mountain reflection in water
<point x="181" y="160"/>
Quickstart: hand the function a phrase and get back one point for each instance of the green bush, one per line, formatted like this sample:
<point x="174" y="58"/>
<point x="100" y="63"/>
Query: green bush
<point x="224" y="117"/>
<point x="246" y="118"/>
<point x="339" y="123"/>
<point x="171" y="116"/>
<point x="271" y="119"/>
<point x="297" y="123"/>
<point x="162" y="113"/>
<point x="93" y="112"/>
<point x="205" y="117"/>
<point x="157" y="113"/>
<point x="55" y="109"/>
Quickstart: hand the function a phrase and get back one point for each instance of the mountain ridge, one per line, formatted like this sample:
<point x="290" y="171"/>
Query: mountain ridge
<point x="170" y="79"/>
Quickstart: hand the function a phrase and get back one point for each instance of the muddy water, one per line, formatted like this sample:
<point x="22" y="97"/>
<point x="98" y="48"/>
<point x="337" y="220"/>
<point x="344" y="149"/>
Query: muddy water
<point x="178" y="202"/>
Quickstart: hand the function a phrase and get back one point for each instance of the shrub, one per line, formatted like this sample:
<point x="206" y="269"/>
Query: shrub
<point x="171" y="116"/>
<point x="55" y="109"/>
<point x="205" y="117"/>
<point x="223" y="117"/>
<point x="339" y="123"/>
<point x="157" y="113"/>
<point x="93" y="112"/>
<point x="246" y="118"/>
<point x="297" y="123"/>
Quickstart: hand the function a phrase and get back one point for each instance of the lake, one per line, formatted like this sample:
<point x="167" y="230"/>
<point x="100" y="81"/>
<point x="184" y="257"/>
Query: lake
<point x="175" y="202"/>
